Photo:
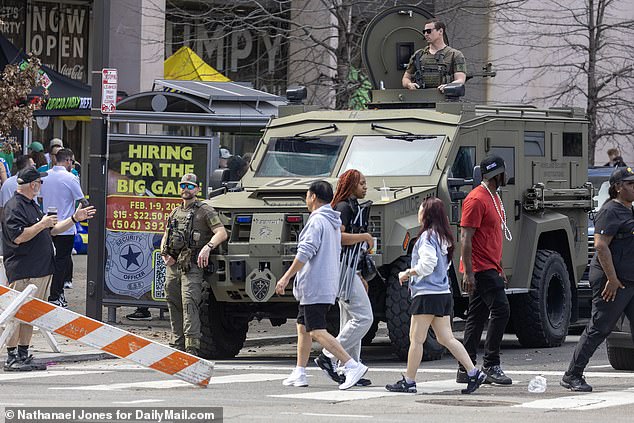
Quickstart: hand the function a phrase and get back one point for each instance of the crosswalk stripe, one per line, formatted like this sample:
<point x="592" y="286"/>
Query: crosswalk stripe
<point x="170" y="384"/>
<point x="431" y="387"/>
<point x="583" y="402"/>
<point x="588" y="375"/>
<point x="48" y="373"/>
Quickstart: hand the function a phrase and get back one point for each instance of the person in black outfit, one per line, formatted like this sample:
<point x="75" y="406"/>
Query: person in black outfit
<point x="611" y="275"/>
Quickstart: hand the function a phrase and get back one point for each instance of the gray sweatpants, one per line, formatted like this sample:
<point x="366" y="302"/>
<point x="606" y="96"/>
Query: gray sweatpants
<point x="355" y="320"/>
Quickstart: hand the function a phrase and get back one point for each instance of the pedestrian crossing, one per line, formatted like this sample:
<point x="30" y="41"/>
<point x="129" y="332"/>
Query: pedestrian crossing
<point x="229" y="376"/>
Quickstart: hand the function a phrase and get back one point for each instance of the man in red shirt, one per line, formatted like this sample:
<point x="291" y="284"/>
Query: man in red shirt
<point x="483" y="222"/>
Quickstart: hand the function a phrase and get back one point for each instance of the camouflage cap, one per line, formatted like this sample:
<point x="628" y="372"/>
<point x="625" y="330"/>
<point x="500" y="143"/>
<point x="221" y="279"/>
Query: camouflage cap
<point x="189" y="177"/>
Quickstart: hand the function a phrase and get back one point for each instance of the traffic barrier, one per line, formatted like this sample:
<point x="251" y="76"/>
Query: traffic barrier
<point x="115" y="341"/>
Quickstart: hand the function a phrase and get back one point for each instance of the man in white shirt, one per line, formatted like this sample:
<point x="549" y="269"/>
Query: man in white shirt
<point x="61" y="191"/>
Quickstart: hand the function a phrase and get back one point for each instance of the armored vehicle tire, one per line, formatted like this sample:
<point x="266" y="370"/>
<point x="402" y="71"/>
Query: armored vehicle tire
<point x="223" y="334"/>
<point x="397" y="302"/>
<point x="620" y="358"/>
<point x="541" y="317"/>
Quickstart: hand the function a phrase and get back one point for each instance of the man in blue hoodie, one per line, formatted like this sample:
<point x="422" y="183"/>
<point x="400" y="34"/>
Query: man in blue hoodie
<point x="316" y="271"/>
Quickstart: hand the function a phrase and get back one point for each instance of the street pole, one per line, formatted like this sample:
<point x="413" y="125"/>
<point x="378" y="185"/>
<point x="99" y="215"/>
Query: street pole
<point x="98" y="164"/>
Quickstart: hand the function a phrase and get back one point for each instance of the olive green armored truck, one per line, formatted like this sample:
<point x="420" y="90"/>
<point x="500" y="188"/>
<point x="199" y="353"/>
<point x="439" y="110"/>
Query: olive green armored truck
<point x="409" y="145"/>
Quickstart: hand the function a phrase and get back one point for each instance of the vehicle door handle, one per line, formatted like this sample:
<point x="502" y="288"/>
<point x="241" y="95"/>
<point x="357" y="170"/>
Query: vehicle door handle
<point x="518" y="209"/>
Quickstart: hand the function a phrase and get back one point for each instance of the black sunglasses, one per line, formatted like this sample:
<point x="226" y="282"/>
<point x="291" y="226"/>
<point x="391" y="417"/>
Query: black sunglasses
<point x="189" y="186"/>
<point x="428" y="30"/>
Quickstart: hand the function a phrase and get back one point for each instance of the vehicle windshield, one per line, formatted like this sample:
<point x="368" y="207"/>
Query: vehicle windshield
<point x="300" y="156"/>
<point x="382" y="156"/>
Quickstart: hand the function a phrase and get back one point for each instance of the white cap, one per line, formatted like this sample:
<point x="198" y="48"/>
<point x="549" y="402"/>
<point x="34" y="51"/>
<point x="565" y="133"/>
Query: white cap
<point x="225" y="154"/>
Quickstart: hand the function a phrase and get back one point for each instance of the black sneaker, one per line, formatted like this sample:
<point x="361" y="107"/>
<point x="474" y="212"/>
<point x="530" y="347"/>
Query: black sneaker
<point x="364" y="382"/>
<point x="495" y="374"/>
<point x="402" y="386"/>
<point x="325" y="364"/>
<point x="462" y="376"/>
<point x="474" y="382"/>
<point x="15" y="364"/>
<point x="140" y="314"/>
<point x="34" y="364"/>
<point x="575" y="383"/>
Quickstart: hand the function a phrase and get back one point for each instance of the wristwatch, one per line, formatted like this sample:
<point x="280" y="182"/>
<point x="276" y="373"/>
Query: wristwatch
<point x="211" y="245"/>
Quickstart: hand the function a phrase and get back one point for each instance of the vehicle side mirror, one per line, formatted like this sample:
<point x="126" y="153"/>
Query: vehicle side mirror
<point x="477" y="176"/>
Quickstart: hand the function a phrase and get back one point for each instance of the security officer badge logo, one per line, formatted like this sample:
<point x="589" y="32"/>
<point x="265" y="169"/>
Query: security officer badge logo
<point x="260" y="285"/>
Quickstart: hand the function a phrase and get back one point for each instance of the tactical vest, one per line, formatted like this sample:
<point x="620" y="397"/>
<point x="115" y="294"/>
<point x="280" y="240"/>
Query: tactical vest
<point x="431" y="70"/>
<point x="183" y="242"/>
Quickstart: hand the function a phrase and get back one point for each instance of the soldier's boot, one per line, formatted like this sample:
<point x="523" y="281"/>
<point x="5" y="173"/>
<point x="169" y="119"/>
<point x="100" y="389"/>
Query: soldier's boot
<point x="192" y="346"/>
<point x="23" y="354"/>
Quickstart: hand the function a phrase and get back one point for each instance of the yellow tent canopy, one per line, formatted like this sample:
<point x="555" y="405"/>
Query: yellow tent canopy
<point x="188" y="66"/>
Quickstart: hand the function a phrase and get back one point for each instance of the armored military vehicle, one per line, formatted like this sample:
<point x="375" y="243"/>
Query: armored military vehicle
<point x="418" y="144"/>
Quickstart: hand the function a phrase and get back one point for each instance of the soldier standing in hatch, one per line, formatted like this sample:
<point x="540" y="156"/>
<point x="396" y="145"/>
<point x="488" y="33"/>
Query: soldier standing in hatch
<point x="193" y="231"/>
<point x="437" y="64"/>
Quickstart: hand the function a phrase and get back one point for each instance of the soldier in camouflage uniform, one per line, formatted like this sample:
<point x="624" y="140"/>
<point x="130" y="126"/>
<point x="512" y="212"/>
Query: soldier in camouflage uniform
<point x="437" y="64"/>
<point x="193" y="231"/>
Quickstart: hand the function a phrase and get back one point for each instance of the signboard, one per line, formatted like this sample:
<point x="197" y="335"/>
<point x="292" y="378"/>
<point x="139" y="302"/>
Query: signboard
<point x="143" y="178"/>
<point x="55" y="32"/>
<point x="108" y="90"/>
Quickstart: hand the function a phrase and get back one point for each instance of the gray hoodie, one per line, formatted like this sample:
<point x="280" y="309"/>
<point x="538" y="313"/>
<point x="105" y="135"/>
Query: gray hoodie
<point x="319" y="248"/>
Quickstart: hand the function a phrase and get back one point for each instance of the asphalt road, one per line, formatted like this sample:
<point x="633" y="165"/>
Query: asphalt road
<point x="249" y="387"/>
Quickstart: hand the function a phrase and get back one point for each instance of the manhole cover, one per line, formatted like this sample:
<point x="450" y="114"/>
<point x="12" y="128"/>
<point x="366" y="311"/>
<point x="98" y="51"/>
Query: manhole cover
<point x="466" y="402"/>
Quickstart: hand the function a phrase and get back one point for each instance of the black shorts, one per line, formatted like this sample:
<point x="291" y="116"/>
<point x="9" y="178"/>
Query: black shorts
<point x="313" y="316"/>
<point x="439" y="305"/>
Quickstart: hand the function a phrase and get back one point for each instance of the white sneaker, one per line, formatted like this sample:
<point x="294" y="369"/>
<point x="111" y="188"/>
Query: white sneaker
<point x="353" y="375"/>
<point x="296" y="379"/>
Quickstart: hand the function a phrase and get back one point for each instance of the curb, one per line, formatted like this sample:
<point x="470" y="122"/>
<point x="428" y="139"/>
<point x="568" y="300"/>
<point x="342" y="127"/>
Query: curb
<point x="270" y="340"/>
<point x="52" y="359"/>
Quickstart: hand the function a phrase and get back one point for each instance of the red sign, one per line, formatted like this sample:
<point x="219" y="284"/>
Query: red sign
<point x="139" y="214"/>
<point x="108" y="90"/>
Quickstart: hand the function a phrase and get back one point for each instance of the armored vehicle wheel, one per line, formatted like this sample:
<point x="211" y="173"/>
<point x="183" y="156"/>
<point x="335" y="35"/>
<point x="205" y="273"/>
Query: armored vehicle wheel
<point x="223" y="334"/>
<point x="541" y="317"/>
<point x="620" y="358"/>
<point x="397" y="303"/>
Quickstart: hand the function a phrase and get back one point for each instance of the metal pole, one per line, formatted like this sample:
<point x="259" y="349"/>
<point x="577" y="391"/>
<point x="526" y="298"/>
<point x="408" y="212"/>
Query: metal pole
<point x="97" y="165"/>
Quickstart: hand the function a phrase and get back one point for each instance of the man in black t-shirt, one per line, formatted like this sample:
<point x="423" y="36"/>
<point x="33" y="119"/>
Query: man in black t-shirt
<point x="28" y="254"/>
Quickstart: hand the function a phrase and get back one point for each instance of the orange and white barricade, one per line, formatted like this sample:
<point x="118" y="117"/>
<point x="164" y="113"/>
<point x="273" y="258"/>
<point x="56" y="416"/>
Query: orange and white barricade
<point x="118" y="342"/>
